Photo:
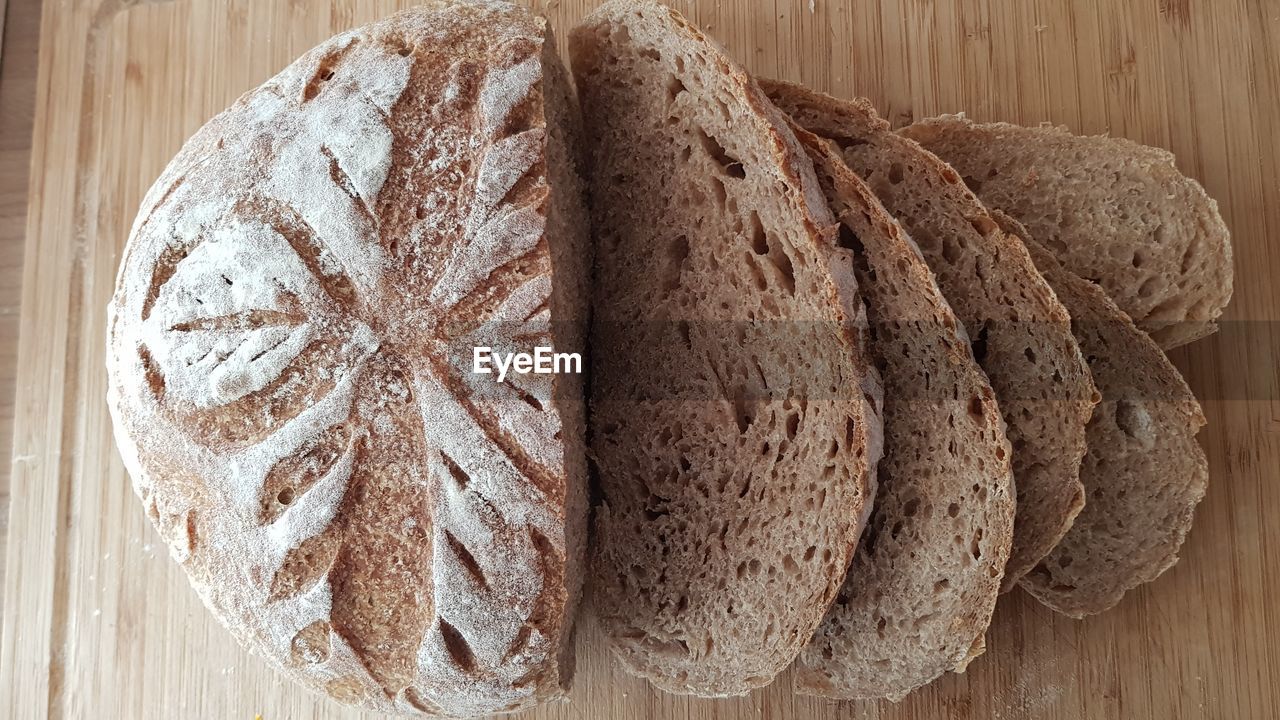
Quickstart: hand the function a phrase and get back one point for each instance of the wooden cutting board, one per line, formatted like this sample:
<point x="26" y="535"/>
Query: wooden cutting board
<point x="99" y="623"/>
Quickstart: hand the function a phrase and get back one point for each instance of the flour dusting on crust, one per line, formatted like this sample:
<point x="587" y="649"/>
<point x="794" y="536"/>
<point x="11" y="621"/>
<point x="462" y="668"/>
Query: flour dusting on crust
<point x="284" y="356"/>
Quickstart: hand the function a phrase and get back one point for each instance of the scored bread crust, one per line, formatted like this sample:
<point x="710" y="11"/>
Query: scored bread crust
<point x="1109" y="209"/>
<point x="922" y="587"/>
<point x="289" y="351"/>
<point x="1144" y="471"/>
<point x="1021" y="334"/>
<point x="729" y="425"/>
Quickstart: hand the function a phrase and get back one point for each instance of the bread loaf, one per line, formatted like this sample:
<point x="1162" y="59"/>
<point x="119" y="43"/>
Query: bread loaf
<point x="1111" y="210"/>
<point x="289" y="360"/>
<point x="1144" y="473"/>
<point x="1021" y="334"/>
<point x="921" y="589"/>
<point x="727" y="420"/>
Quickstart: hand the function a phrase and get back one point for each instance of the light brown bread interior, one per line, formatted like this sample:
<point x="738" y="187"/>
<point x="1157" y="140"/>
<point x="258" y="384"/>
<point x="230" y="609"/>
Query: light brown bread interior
<point x="922" y="587"/>
<point x="727" y="419"/>
<point x="1020" y="333"/>
<point x="1109" y="209"/>
<point x="289" y="362"/>
<point x="1144" y="472"/>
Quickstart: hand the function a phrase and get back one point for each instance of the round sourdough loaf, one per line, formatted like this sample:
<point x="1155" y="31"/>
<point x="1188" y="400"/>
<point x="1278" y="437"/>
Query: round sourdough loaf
<point x="289" y="356"/>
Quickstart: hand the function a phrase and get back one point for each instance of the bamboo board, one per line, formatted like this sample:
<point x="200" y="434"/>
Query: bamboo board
<point x="100" y="623"/>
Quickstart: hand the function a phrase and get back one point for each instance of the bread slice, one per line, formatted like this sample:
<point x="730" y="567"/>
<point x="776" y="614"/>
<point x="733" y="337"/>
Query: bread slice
<point x="289" y="362"/>
<point x="1144" y="472"/>
<point x="1111" y="210"/>
<point x="923" y="584"/>
<point x="727" y="422"/>
<point x="1021" y="334"/>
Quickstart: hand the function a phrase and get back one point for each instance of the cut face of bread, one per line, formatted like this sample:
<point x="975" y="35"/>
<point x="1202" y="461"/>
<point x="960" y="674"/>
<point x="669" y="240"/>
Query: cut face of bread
<point x="1144" y="472"/>
<point x="727" y="421"/>
<point x="1109" y="209"/>
<point x="921" y="589"/>
<point x="289" y="358"/>
<point x="1020" y="333"/>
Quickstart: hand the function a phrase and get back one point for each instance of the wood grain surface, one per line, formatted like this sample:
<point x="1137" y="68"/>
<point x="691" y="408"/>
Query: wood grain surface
<point x="19" y="40"/>
<point x="100" y="623"/>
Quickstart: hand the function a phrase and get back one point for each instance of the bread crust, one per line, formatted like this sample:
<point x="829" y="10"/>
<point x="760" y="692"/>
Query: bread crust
<point x="289" y="353"/>
<point x="1021" y="333"/>
<point x="1109" y="209"/>
<point x="922" y="587"/>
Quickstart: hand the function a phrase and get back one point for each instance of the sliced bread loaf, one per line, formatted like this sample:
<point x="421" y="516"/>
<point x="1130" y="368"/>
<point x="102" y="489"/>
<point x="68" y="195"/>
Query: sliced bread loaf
<point x="924" y="581"/>
<point x="1021" y="334"/>
<point x="1144" y="473"/>
<point x="1111" y="210"/>
<point x="727" y="421"/>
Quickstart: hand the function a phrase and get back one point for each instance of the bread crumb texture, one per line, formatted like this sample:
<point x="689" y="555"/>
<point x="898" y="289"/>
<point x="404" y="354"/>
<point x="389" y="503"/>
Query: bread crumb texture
<point x="733" y="421"/>
<point x="1110" y="210"/>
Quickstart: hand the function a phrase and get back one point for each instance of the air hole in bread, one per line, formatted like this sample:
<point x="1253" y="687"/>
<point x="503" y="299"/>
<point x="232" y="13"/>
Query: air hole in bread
<point x="759" y="240"/>
<point x="975" y="544"/>
<point x="895" y="172"/>
<point x="731" y="166"/>
<point x="911" y="507"/>
<point x="719" y="193"/>
<point x="757" y="274"/>
<point x="743" y="410"/>
<point x="793" y="425"/>
<point x="976" y="407"/>
<point x="980" y="344"/>
<point x="674" y="87"/>
<point x="682" y="327"/>
<point x="845" y="142"/>
<point x="677" y="253"/>
<point x="1188" y="255"/>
